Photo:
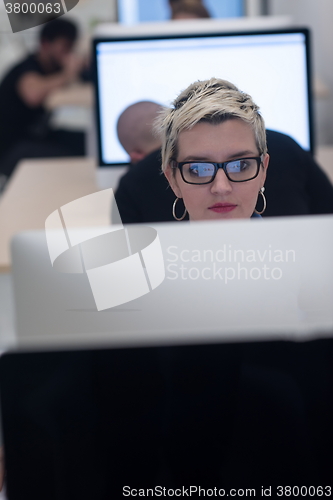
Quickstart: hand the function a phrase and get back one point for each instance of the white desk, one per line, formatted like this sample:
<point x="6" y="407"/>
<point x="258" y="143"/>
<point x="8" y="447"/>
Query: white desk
<point x="78" y="94"/>
<point x="72" y="107"/>
<point x="38" y="187"/>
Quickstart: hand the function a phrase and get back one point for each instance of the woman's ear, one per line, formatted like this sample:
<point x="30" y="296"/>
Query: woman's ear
<point x="170" y="174"/>
<point x="265" y="166"/>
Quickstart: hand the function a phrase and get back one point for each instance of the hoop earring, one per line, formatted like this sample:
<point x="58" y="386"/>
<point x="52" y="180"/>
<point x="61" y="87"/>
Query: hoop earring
<point x="174" y="210"/>
<point x="261" y="191"/>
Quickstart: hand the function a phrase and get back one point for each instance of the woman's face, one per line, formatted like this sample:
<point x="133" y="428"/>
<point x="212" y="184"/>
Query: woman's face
<point x="221" y="199"/>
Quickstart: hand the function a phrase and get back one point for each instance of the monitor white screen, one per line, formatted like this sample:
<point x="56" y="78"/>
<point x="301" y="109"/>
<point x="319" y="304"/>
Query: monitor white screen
<point x="271" y="67"/>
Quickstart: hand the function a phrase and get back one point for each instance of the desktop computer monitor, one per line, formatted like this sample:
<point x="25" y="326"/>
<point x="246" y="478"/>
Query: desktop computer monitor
<point x="272" y="66"/>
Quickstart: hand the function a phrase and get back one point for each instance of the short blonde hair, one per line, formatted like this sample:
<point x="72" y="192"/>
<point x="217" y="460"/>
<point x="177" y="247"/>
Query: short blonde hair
<point x="212" y="101"/>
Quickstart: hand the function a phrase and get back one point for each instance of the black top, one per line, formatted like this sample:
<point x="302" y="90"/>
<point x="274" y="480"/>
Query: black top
<point x="144" y="194"/>
<point x="295" y="185"/>
<point x="18" y="120"/>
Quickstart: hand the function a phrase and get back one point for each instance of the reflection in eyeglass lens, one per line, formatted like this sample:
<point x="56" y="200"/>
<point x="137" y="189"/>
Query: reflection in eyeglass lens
<point x="242" y="169"/>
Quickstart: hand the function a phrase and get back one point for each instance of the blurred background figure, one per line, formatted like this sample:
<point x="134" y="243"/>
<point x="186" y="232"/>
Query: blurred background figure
<point x="135" y="129"/>
<point x="24" y="125"/>
<point x="143" y="193"/>
<point x="188" y="9"/>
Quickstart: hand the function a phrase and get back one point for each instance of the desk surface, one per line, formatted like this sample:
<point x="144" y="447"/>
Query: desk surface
<point x="78" y="94"/>
<point x="37" y="188"/>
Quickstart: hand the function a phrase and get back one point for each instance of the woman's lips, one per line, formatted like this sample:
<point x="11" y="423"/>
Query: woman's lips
<point x="222" y="207"/>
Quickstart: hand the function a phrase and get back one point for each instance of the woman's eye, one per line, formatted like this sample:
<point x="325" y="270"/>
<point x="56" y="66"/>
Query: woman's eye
<point x="238" y="166"/>
<point x="202" y="169"/>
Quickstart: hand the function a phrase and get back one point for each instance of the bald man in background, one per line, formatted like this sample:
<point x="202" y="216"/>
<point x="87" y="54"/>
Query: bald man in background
<point x="135" y="130"/>
<point x="295" y="184"/>
<point x="143" y="193"/>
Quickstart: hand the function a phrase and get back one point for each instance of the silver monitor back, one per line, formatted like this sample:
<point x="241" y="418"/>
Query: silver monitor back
<point x="241" y="280"/>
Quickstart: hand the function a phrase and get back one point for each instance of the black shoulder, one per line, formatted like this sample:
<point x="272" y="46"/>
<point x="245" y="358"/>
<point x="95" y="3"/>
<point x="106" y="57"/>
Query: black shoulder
<point x="278" y="140"/>
<point x="147" y="169"/>
<point x="28" y="64"/>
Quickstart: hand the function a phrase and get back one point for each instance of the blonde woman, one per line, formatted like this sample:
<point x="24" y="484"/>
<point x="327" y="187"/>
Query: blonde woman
<point x="214" y="152"/>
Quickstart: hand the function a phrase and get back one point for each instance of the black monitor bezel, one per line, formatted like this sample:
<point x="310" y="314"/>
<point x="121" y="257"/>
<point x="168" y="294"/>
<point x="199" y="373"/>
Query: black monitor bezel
<point x="96" y="41"/>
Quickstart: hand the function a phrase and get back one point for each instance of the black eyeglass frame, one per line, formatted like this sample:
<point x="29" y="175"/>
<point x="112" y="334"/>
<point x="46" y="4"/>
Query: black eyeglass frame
<point x="222" y="165"/>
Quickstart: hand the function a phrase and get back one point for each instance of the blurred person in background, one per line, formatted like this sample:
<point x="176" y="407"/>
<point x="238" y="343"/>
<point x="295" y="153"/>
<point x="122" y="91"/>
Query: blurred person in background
<point x="135" y="130"/>
<point x="24" y="123"/>
<point x="143" y="193"/>
<point x="188" y="9"/>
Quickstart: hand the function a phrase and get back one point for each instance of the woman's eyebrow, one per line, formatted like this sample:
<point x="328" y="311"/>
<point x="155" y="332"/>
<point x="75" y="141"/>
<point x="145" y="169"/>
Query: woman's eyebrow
<point x="196" y="158"/>
<point x="236" y="155"/>
<point x="242" y="153"/>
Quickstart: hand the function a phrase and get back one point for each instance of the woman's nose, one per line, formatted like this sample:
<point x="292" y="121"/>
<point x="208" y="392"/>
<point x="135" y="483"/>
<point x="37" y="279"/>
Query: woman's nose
<point x="221" y="183"/>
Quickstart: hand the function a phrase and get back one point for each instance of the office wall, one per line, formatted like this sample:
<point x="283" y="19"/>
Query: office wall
<point x="318" y="15"/>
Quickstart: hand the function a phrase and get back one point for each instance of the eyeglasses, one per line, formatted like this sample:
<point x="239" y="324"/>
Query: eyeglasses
<point x="203" y="172"/>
